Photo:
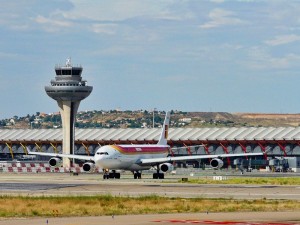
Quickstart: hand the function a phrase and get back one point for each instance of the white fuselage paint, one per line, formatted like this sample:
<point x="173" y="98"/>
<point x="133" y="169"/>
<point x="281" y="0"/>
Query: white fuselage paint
<point x="127" y="157"/>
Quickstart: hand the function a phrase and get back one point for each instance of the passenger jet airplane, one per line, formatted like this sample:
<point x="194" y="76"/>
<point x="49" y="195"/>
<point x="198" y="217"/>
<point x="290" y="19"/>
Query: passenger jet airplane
<point x="136" y="158"/>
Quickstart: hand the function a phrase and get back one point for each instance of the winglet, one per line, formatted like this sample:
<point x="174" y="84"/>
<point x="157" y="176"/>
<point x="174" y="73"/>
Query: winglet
<point x="164" y="133"/>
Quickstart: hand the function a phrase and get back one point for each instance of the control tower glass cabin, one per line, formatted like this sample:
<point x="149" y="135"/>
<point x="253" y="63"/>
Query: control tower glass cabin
<point x="68" y="89"/>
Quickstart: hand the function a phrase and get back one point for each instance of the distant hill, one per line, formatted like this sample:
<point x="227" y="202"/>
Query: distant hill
<point x="270" y="119"/>
<point x="143" y="118"/>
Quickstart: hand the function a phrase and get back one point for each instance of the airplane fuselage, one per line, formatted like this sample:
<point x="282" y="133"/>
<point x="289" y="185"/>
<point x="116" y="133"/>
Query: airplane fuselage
<point x="127" y="157"/>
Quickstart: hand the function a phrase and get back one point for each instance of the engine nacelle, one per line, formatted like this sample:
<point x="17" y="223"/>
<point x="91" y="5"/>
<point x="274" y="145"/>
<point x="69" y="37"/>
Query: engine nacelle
<point x="166" y="167"/>
<point x="55" y="162"/>
<point x="88" y="167"/>
<point x="216" y="163"/>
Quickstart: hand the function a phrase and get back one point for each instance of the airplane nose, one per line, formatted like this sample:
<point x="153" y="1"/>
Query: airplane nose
<point x="99" y="160"/>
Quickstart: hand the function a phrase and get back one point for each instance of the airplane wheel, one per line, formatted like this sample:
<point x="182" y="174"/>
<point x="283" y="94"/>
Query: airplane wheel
<point x="117" y="175"/>
<point x="105" y="176"/>
<point x="161" y="176"/>
<point x="135" y="176"/>
<point x="139" y="176"/>
<point x="155" y="176"/>
<point x="111" y="175"/>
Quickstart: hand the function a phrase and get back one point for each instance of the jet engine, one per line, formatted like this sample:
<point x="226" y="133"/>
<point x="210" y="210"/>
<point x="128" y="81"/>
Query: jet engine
<point x="216" y="163"/>
<point x="88" y="167"/>
<point x="166" y="167"/>
<point x="55" y="162"/>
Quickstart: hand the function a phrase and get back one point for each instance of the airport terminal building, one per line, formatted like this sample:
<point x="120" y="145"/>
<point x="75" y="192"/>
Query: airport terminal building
<point x="273" y="142"/>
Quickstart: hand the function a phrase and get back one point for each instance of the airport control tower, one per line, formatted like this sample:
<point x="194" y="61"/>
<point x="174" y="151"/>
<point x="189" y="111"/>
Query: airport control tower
<point x="68" y="89"/>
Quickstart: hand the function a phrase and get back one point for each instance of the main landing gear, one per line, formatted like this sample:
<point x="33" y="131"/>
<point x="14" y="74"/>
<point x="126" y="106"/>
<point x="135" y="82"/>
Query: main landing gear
<point x="137" y="175"/>
<point x="112" y="175"/>
<point x="158" y="175"/>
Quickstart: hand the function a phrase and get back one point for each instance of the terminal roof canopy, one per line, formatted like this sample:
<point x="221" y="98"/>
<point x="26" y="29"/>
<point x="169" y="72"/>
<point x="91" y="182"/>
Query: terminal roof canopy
<point x="152" y="134"/>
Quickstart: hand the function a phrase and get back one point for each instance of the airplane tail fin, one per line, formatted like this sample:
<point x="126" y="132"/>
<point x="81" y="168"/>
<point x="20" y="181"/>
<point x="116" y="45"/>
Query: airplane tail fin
<point x="164" y="133"/>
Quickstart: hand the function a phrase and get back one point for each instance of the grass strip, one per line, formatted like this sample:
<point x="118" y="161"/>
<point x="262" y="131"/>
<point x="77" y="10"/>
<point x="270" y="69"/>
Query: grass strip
<point x="18" y="206"/>
<point x="247" y="180"/>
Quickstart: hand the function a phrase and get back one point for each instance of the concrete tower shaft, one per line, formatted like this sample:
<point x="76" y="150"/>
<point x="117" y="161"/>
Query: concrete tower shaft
<point x="68" y="89"/>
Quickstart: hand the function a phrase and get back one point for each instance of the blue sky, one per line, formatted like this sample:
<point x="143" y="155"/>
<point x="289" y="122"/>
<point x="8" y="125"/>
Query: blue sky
<point x="189" y="55"/>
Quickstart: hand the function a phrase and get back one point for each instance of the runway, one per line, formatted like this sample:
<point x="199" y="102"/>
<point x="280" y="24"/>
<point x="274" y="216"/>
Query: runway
<point x="90" y="184"/>
<point x="48" y="184"/>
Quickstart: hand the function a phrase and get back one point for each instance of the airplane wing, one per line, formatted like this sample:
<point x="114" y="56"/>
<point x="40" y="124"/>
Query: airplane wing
<point x="192" y="157"/>
<point x="70" y="156"/>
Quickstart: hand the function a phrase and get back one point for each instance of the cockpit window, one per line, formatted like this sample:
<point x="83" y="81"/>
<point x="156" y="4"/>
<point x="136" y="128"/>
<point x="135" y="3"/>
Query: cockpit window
<point x="102" y="153"/>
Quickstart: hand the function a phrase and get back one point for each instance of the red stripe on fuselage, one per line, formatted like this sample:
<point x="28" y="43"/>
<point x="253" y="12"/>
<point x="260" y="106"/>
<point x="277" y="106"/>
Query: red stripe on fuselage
<point x="140" y="149"/>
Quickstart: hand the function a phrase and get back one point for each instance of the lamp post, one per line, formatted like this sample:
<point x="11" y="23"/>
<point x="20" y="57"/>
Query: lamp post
<point x="153" y="116"/>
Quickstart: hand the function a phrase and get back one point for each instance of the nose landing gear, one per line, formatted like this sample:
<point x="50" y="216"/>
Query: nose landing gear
<point x="137" y="175"/>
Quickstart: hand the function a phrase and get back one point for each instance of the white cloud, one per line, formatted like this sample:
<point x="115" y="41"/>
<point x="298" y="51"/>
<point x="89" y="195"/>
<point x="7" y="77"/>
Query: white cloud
<point x="219" y="17"/>
<point x="117" y="10"/>
<point x="283" y="39"/>
<point x="44" y="20"/>
<point x="260" y="58"/>
<point x="51" y="24"/>
<point x="23" y="15"/>
<point x="108" y="29"/>
<point x="106" y="17"/>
